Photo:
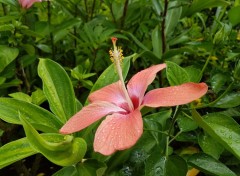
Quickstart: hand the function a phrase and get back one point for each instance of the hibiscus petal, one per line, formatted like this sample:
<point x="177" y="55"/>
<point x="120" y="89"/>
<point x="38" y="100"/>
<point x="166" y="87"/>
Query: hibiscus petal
<point x="138" y="84"/>
<point x="175" y="95"/>
<point x="28" y="3"/>
<point x="88" y="115"/>
<point x="118" y="132"/>
<point x="112" y="93"/>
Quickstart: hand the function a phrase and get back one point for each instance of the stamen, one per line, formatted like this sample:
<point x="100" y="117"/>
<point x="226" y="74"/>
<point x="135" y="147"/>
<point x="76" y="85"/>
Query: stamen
<point x="116" y="57"/>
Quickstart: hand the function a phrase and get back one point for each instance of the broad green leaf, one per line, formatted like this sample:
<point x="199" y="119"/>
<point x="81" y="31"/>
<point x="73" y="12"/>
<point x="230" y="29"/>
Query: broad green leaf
<point x="209" y="165"/>
<point x="110" y="74"/>
<point x="12" y="83"/>
<point x="7" y="55"/>
<point x="222" y="128"/>
<point x="44" y="48"/>
<point x="58" y="89"/>
<point x="158" y="165"/>
<point x="7" y="18"/>
<point x="6" y="27"/>
<point x="2" y="80"/>
<point x="233" y="15"/>
<point x="38" y="97"/>
<point x="193" y="74"/>
<point x="186" y="124"/>
<point x="91" y="167"/>
<point x="173" y="15"/>
<point x="141" y="45"/>
<point x="153" y="128"/>
<point x="64" y="151"/>
<point x="157" y="42"/>
<point x="67" y="24"/>
<point x="67" y="171"/>
<point x="198" y="5"/>
<point x="210" y="146"/>
<point x="21" y="148"/>
<point x="21" y="96"/>
<point x="9" y="2"/>
<point x="176" y="51"/>
<point x="15" y="151"/>
<point x="217" y="81"/>
<point x="160" y="117"/>
<point x="176" y="75"/>
<point x="229" y="101"/>
<point x="157" y="7"/>
<point x="40" y="118"/>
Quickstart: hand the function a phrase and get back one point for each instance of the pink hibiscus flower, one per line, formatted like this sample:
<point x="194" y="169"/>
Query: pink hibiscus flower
<point x="123" y="125"/>
<point x="27" y="3"/>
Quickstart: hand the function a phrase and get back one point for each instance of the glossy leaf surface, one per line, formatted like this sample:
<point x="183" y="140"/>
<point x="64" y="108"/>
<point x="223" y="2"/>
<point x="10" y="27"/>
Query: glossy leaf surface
<point x="63" y="150"/>
<point x="57" y="88"/>
<point x="40" y="118"/>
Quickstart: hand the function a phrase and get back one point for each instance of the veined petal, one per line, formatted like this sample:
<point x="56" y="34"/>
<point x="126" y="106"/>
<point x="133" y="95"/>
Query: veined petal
<point x="88" y="115"/>
<point x="112" y="93"/>
<point x="175" y="95"/>
<point x="138" y="84"/>
<point x="118" y="132"/>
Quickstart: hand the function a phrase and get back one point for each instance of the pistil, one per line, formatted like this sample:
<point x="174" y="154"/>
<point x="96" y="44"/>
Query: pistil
<point x="116" y="58"/>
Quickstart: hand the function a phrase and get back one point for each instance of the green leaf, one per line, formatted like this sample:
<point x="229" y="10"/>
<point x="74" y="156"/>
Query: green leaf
<point x="110" y="75"/>
<point x="222" y="128"/>
<point x="15" y="151"/>
<point x="210" y="146"/>
<point x="176" y="51"/>
<point x="173" y="15"/>
<point x="7" y="55"/>
<point x="7" y="27"/>
<point x="91" y="167"/>
<point x="9" y="2"/>
<point x="209" y="165"/>
<point x="160" y="117"/>
<point x="40" y="118"/>
<point x="193" y="74"/>
<point x="176" y="75"/>
<point x="229" y="101"/>
<point x="63" y="151"/>
<point x="67" y="171"/>
<point x="217" y="81"/>
<point x="157" y="7"/>
<point x="2" y="80"/>
<point x="198" y="5"/>
<point x="21" y="148"/>
<point x="12" y="83"/>
<point x="58" y="89"/>
<point x="233" y="15"/>
<point x="186" y="124"/>
<point x="158" y="165"/>
<point x="21" y="96"/>
<point x="154" y="128"/>
<point x="38" y="97"/>
<point x="157" y="42"/>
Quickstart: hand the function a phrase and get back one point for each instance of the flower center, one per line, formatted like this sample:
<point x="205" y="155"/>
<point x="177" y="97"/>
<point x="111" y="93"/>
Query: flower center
<point x="116" y="58"/>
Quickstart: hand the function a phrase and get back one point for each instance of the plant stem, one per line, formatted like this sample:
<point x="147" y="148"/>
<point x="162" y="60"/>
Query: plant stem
<point x="93" y="7"/>
<point x="86" y="9"/>
<point x="205" y="66"/>
<point x="4" y="9"/>
<point x="164" y="44"/>
<point x="170" y="129"/>
<point x="111" y="10"/>
<point x="124" y="14"/>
